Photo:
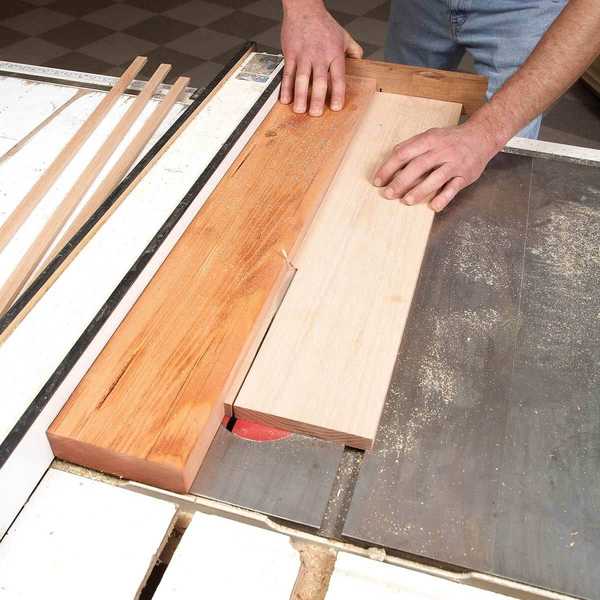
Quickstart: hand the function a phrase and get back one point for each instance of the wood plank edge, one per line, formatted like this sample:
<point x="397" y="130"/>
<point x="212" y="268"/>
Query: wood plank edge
<point x="117" y="464"/>
<point x="324" y="433"/>
<point x="261" y="326"/>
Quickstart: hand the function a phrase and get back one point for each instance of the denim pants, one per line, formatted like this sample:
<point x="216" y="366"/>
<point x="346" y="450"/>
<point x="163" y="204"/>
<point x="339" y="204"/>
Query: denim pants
<point x="499" y="35"/>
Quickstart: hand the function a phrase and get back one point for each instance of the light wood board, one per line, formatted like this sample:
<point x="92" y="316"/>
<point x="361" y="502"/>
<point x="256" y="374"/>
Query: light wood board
<point x="325" y="364"/>
<point x="37" y="346"/>
<point x="79" y="538"/>
<point x="153" y="400"/>
<point x="356" y="578"/>
<point x="258" y="564"/>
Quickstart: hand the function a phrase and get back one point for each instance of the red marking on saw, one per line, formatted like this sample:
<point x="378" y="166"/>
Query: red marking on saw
<point x="258" y="433"/>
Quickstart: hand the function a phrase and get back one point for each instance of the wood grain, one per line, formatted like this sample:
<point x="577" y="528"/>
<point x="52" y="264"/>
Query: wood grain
<point x="45" y="182"/>
<point x="120" y="168"/>
<point x="325" y="364"/>
<point x="149" y="406"/>
<point x="59" y="217"/>
<point x="451" y="86"/>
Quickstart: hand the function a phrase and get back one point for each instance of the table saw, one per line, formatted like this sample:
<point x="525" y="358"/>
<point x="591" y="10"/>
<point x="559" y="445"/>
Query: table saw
<point x="484" y="471"/>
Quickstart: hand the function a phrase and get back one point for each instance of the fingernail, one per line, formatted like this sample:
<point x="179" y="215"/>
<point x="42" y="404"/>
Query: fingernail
<point x="315" y="113"/>
<point x="389" y="193"/>
<point x="377" y="182"/>
<point x="336" y="106"/>
<point x="408" y="200"/>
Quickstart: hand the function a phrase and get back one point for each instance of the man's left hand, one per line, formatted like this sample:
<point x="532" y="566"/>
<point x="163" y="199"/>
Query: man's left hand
<point x="436" y="165"/>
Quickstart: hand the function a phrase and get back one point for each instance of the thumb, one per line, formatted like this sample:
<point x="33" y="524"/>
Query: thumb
<point x="352" y="47"/>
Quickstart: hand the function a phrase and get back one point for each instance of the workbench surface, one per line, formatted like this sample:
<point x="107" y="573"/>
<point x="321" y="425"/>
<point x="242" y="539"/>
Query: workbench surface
<point x="487" y="455"/>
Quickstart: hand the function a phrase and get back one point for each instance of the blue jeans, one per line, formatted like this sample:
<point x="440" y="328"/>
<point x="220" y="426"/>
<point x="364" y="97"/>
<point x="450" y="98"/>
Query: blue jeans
<point x="499" y="35"/>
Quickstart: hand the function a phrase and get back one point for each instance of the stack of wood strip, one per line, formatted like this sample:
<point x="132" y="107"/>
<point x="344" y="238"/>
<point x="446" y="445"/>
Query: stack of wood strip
<point x="43" y="247"/>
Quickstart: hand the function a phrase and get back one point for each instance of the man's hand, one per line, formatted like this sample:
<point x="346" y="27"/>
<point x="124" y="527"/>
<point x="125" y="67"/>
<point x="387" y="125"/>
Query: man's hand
<point x="440" y="162"/>
<point x="314" y="45"/>
<point x="436" y="165"/>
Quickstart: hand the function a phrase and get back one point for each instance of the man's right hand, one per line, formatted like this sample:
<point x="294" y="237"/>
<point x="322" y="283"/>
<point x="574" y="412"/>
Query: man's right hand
<point x="314" y="46"/>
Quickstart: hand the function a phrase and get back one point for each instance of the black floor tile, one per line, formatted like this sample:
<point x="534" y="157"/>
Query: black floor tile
<point x="76" y="61"/>
<point x="76" y="34"/>
<point x="237" y="4"/>
<point x="12" y="8"/>
<point x="342" y="18"/>
<point x="9" y="36"/>
<point x="160" y="29"/>
<point x="157" y="6"/>
<point x="181" y="63"/>
<point x="78" y="8"/>
<point x="381" y="12"/>
<point x="242" y="24"/>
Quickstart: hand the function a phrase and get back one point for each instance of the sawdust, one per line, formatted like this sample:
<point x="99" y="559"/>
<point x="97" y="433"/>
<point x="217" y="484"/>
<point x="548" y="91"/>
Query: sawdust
<point x="316" y="566"/>
<point x="474" y="252"/>
<point x="564" y="250"/>
<point x="440" y="379"/>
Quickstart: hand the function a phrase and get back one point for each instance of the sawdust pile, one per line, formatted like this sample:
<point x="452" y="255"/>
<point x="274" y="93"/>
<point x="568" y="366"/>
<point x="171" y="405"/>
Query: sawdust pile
<point x="316" y="567"/>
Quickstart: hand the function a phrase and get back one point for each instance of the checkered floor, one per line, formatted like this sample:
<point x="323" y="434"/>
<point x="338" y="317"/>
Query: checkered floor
<point x="195" y="36"/>
<point x="198" y="37"/>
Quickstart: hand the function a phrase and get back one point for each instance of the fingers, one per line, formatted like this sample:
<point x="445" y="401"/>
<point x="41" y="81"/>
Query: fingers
<point x="443" y="198"/>
<point x="401" y="155"/>
<point x="296" y="81"/>
<point x="406" y="178"/>
<point x="318" y="91"/>
<point x="428" y="187"/>
<point x="301" y="87"/>
<point x="337" y="72"/>
<point x="287" y="82"/>
<point x="352" y="47"/>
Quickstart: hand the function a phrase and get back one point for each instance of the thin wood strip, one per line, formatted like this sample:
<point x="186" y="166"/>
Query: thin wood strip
<point x="450" y="86"/>
<point x="14" y="149"/>
<point x="38" y="248"/>
<point x="149" y="406"/>
<point x="47" y="179"/>
<point x="73" y="254"/>
<point x="324" y="366"/>
<point x="119" y="170"/>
